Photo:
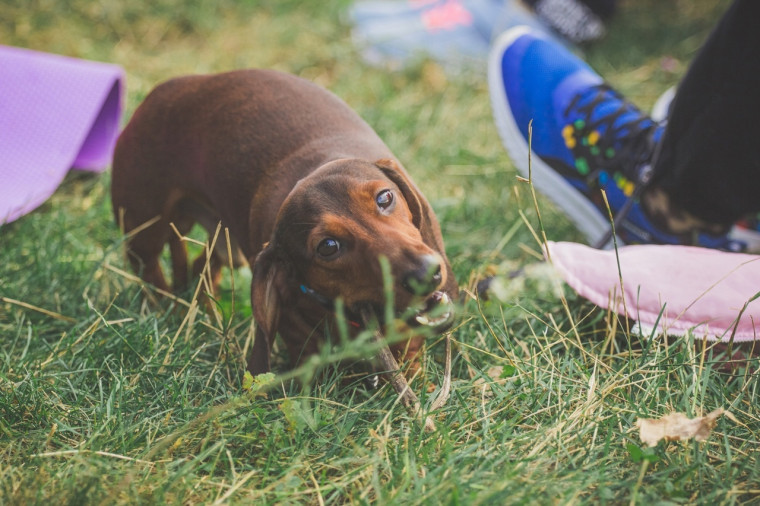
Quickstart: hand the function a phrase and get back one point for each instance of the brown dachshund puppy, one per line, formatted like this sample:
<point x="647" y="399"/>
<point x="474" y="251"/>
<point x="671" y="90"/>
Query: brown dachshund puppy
<point x="311" y="196"/>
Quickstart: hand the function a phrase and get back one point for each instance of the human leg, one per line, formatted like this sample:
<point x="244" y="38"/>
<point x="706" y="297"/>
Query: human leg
<point x="709" y="162"/>
<point x="585" y="138"/>
<point x="532" y="79"/>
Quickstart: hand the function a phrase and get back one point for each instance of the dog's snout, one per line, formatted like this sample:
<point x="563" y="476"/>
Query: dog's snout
<point x="425" y="277"/>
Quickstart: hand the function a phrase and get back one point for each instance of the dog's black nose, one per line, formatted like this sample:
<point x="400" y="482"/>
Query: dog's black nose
<point x="425" y="278"/>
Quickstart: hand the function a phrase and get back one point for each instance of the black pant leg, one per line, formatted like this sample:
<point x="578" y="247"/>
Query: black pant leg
<point x="709" y="161"/>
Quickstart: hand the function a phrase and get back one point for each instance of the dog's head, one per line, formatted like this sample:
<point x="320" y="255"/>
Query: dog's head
<point x="329" y="237"/>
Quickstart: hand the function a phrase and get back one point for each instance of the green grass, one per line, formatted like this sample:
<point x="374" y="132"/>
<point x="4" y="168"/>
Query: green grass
<point x="104" y="399"/>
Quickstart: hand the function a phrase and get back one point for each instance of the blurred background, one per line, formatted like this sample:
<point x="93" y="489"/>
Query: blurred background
<point x="437" y="121"/>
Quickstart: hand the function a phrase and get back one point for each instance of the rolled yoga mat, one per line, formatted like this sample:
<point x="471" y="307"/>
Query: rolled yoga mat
<point x="56" y="113"/>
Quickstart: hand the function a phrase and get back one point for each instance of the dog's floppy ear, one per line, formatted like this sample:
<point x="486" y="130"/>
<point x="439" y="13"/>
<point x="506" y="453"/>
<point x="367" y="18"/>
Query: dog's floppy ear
<point x="415" y="201"/>
<point x="422" y="214"/>
<point x="269" y="289"/>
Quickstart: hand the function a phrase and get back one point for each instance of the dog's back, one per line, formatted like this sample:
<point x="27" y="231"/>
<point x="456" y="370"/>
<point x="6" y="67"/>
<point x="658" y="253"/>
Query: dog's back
<point x="227" y="147"/>
<point x="310" y="194"/>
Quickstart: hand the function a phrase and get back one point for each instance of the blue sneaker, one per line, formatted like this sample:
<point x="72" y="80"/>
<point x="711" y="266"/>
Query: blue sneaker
<point x="585" y="138"/>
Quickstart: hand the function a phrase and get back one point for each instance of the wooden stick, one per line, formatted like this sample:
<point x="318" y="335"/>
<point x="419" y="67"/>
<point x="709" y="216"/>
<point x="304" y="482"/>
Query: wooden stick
<point x="396" y="378"/>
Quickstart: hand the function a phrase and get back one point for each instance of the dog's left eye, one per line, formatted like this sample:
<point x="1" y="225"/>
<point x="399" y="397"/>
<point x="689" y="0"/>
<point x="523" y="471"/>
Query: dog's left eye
<point x="384" y="199"/>
<point x="328" y="248"/>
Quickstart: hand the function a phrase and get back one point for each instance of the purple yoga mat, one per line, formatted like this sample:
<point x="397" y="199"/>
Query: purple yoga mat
<point x="56" y="113"/>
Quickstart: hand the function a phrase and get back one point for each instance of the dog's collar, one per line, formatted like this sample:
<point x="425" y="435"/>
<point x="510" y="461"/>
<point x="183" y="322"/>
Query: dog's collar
<point x="327" y="303"/>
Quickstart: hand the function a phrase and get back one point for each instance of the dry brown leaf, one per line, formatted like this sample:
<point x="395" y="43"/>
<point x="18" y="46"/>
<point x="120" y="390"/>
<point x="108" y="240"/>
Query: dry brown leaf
<point x="677" y="427"/>
<point x="495" y="372"/>
<point x="485" y="385"/>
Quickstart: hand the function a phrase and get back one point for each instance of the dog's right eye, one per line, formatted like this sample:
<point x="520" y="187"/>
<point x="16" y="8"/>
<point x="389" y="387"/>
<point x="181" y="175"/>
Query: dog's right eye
<point x="384" y="199"/>
<point x="328" y="247"/>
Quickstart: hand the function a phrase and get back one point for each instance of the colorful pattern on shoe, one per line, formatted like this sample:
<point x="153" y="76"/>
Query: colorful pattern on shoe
<point x="585" y="138"/>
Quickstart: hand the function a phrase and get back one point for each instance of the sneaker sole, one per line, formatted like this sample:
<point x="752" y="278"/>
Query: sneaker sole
<point x="575" y="205"/>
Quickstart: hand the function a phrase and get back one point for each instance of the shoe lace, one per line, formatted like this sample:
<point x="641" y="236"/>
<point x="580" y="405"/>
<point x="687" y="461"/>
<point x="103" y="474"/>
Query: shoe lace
<point x="619" y="141"/>
<point x="613" y="135"/>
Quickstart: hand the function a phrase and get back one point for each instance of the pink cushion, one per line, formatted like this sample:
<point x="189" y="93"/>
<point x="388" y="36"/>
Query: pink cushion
<point x="696" y="289"/>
